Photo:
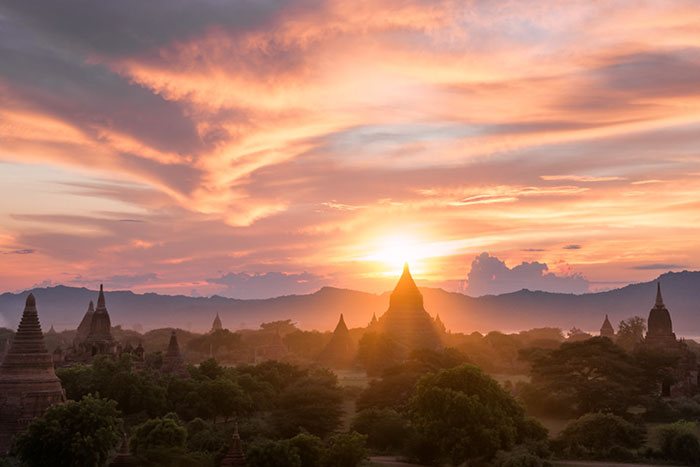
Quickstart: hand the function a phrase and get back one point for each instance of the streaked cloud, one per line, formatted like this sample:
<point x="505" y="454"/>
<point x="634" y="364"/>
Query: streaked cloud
<point x="163" y="144"/>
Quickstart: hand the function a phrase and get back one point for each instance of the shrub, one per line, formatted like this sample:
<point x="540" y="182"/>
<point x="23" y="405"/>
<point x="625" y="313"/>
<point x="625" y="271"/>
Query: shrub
<point x="385" y="428"/>
<point x="597" y="434"/>
<point x="679" y="442"/>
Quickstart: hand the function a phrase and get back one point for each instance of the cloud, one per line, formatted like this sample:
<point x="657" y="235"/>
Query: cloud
<point x="580" y="178"/>
<point x="652" y="267"/>
<point x="270" y="284"/>
<point x="572" y="247"/>
<point x="491" y="276"/>
<point x="26" y="251"/>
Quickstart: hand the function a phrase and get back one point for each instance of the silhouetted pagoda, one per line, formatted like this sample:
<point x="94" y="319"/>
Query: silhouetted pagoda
<point x="406" y="321"/>
<point x="99" y="340"/>
<point x="340" y="350"/>
<point x="216" y="325"/>
<point x="173" y="363"/>
<point x="28" y="383"/>
<point x="606" y="330"/>
<point x="659" y="327"/>
<point x="84" y="326"/>
<point x="235" y="456"/>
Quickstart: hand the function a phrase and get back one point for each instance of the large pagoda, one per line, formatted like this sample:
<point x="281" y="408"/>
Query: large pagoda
<point x="99" y="339"/>
<point x="173" y="363"/>
<point x="28" y="383"/>
<point x="406" y="321"/>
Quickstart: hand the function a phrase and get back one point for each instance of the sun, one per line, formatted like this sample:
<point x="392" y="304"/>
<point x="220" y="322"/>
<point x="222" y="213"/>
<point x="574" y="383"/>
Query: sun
<point x="395" y="250"/>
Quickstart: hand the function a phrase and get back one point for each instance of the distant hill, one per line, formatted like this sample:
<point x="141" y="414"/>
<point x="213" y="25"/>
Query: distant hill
<point x="64" y="307"/>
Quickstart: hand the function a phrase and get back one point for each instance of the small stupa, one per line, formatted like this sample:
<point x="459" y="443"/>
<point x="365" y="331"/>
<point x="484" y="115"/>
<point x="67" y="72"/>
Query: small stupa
<point x="235" y="456"/>
<point x="173" y="363"/>
<point x="28" y="383"/>
<point x="216" y="325"/>
<point x="340" y="350"/>
<point x="607" y="330"/>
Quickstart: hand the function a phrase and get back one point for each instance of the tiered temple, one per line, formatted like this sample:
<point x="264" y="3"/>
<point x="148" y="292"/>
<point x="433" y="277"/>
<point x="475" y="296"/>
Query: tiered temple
<point x="173" y="362"/>
<point x="341" y="350"/>
<point x="28" y="383"/>
<point x="406" y="321"/>
<point x="659" y="327"/>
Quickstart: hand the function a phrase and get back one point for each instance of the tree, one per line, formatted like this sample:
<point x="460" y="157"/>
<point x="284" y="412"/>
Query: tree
<point x="599" y="434"/>
<point x="585" y="376"/>
<point x="312" y="403"/>
<point x="630" y="332"/>
<point x="385" y="428"/>
<point x="679" y="442"/>
<point x="159" y="441"/>
<point x="575" y="335"/>
<point x="72" y="434"/>
<point x="309" y="448"/>
<point x="346" y="450"/>
<point x="377" y="352"/>
<point x="273" y="454"/>
<point x="466" y="415"/>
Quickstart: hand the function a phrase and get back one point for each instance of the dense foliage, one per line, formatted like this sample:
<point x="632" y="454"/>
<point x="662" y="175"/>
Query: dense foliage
<point x="76" y="434"/>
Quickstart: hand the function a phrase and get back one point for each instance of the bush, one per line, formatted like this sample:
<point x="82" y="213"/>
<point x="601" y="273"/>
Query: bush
<point x="679" y="442"/>
<point x="519" y="459"/>
<point x="273" y="454"/>
<point x="346" y="450"/>
<point x="385" y="428"/>
<point x="597" y="434"/>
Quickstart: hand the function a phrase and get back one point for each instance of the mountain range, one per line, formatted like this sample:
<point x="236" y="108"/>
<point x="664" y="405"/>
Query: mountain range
<point x="64" y="307"/>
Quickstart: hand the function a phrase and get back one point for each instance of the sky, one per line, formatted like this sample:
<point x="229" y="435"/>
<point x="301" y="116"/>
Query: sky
<point x="258" y="148"/>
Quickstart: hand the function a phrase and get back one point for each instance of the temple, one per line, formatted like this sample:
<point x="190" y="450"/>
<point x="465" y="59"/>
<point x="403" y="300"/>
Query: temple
<point x="659" y="327"/>
<point x="173" y="362"/>
<point x="216" y="325"/>
<point x="84" y="326"/>
<point x="235" y="456"/>
<point x="28" y="383"/>
<point x="340" y="351"/>
<point x="606" y="330"/>
<point x="406" y="321"/>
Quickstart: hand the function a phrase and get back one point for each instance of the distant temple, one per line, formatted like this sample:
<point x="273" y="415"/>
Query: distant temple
<point x="406" y="321"/>
<point x="340" y="351"/>
<point x="235" y="456"/>
<point x="660" y="338"/>
<point x="216" y="325"/>
<point x="606" y="330"/>
<point x="659" y="327"/>
<point x="173" y="363"/>
<point x="28" y="383"/>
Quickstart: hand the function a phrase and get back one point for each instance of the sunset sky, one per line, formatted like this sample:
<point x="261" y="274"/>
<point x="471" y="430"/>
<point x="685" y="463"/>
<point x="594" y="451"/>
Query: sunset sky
<point x="257" y="148"/>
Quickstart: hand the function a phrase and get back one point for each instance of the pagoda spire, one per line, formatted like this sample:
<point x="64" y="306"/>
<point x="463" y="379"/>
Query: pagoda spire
<point x="659" y="299"/>
<point x="28" y="354"/>
<point x="101" y="305"/>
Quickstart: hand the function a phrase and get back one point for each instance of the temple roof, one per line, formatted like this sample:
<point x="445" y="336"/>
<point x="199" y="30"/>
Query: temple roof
<point x="173" y="347"/>
<point x="84" y="326"/>
<point x="659" y="299"/>
<point x="406" y="292"/>
<point x="659" y="323"/>
<point x="216" y="325"/>
<point x="28" y="357"/>
<point x="607" y="329"/>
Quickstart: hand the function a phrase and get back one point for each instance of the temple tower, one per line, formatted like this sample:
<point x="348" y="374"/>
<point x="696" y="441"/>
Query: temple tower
<point x="235" y="456"/>
<point x="606" y="330"/>
<point x="659" y="327"/>
<point x="340" y="350"/>
<point x="84" y="326"/>
<point x="99" y="340"/>
<point x="406" y="321"/>
<point x="28" y="383"/>
<point x="173" y="363"/>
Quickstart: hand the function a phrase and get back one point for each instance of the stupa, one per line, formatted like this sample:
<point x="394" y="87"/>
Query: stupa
<point x="173" y="363"/>
<point x="406" y="321"/>
<point x="235" y="456"/>
<point x="340" y="350"/>
<point x="216" y="325"/>
<point x="606" y="330"/>
<point x="28" y="383"/>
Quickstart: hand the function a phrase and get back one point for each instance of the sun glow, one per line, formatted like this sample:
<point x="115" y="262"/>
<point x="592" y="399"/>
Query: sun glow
<point x="394" y="251"/>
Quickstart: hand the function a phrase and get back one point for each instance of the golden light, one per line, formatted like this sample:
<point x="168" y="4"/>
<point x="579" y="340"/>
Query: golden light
<point x="393" y="251"/>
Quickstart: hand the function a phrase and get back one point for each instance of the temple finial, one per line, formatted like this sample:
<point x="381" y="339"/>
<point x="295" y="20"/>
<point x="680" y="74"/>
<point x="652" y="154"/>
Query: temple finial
<point x="659" y="299"/>
<point x="405" y="269"/>
<point x="31" y="301"/>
